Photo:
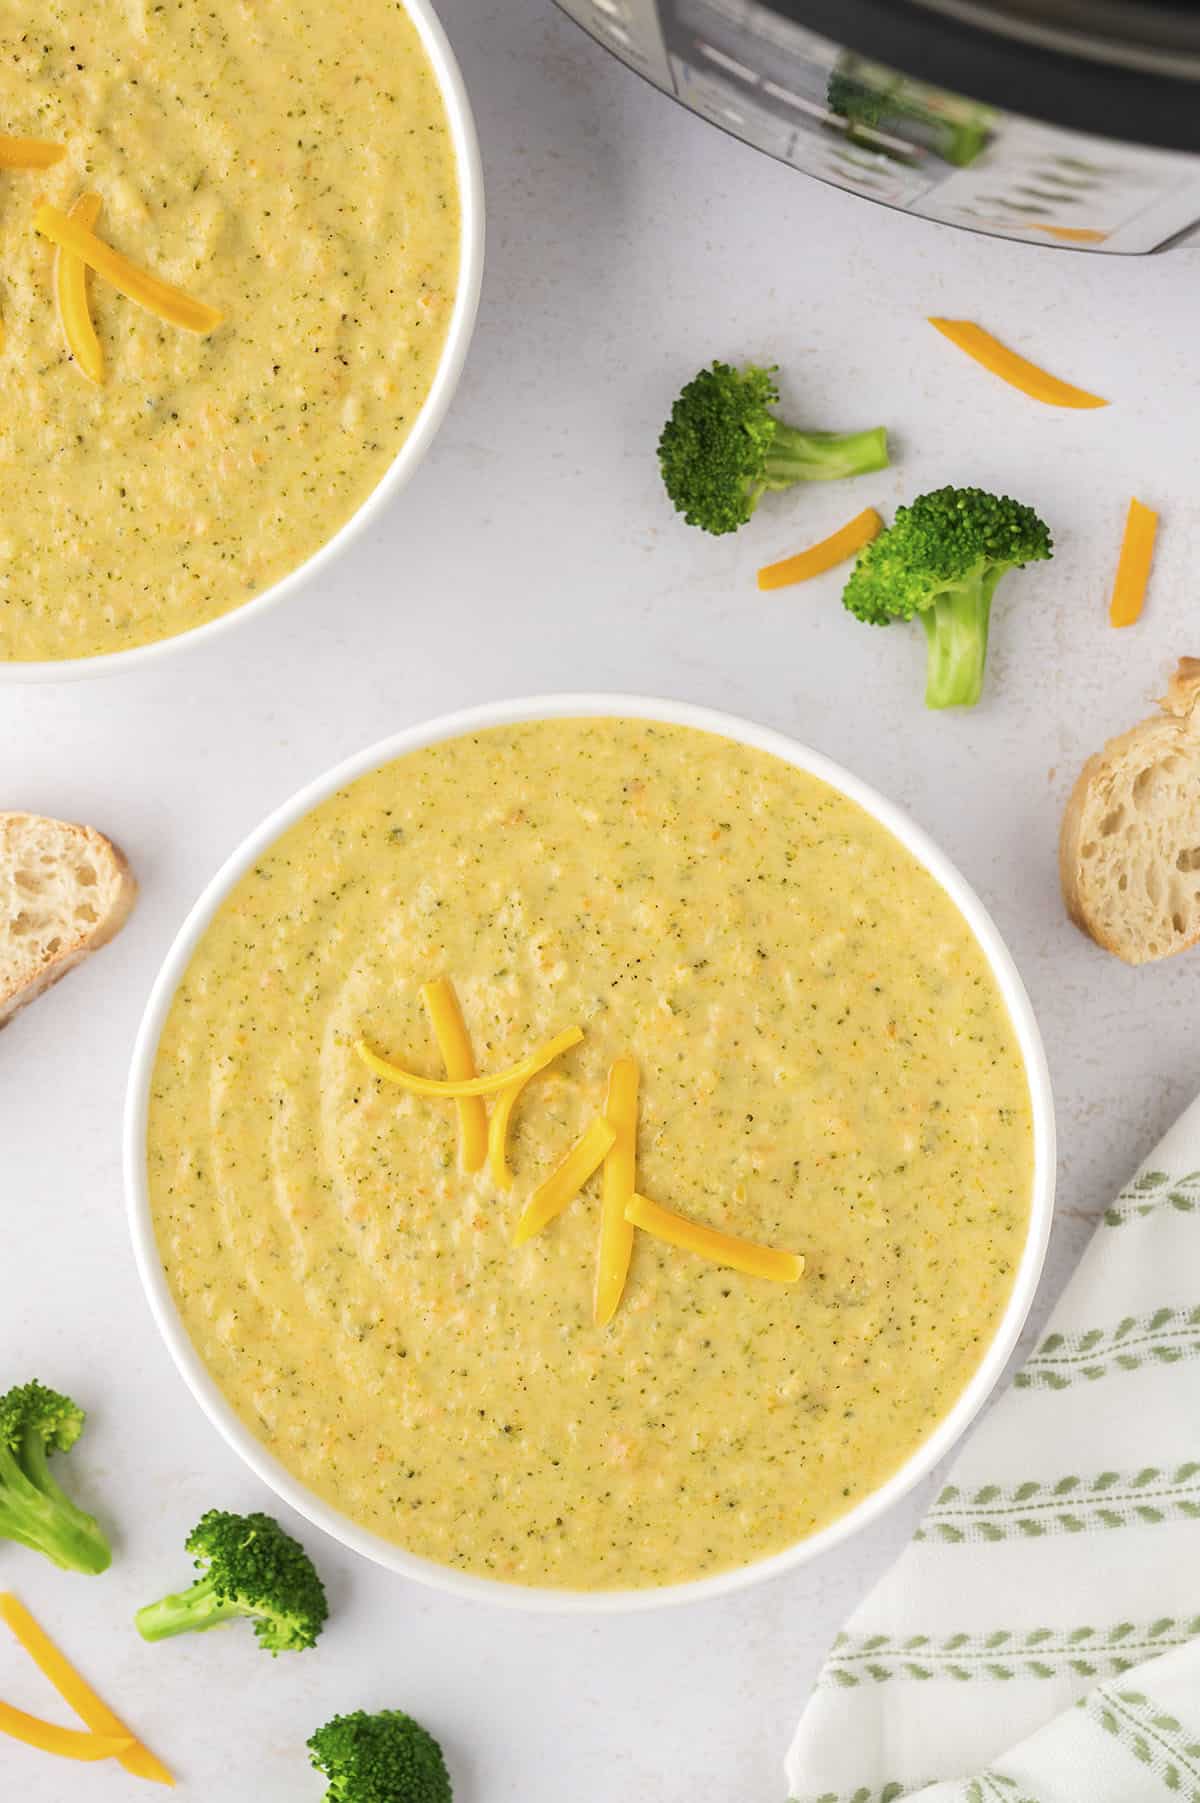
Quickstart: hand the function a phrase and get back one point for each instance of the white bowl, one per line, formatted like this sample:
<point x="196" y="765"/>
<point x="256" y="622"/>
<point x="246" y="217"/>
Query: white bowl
<point x="433" y="408"/>
<point x="372" y="1546"/>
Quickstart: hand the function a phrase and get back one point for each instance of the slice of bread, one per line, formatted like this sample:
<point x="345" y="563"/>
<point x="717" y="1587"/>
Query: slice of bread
<point x="1129" y="854"/>
<point x="64" y="891"/>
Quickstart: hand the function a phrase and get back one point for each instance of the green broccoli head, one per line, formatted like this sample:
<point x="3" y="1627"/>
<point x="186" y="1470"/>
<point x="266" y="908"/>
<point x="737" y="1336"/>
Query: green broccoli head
<point x="251" y="1568"/>
<point x="722" y="449"/>
<point x="383" y="1758"/>
<point x="941" y="559"/>
<point x="35" y="1422"/>
<point x="854" y="100"/>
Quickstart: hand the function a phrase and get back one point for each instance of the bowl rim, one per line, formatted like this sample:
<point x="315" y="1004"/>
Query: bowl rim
<point x="412" y="452"/>
<point x="466" y="1584"/>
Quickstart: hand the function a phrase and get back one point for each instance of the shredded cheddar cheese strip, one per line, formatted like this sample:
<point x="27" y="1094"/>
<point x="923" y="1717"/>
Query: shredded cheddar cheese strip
<point x="29" y="153"/>
<point x="470" y="1086"/>
<point x="710" y="1243"/>
<point x="149" y="291"/>
<point x="48" y="1737"/>
<point x="1069" y="234"/>
<point x="1133" y="565"/>
<point x="564" y="1184"/>
<point x="620" y="1182"/>
<point x="1017" y="371"/>
<point x="74" y="1689"/>
<point x="498" y="1127"/>
<point x="70" y="292"/>
<point x="823" y="556"/>
<point x="454" y="1043"/>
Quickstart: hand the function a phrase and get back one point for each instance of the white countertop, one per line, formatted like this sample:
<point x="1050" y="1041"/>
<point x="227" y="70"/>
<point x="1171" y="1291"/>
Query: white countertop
<point x="628" y="244"/>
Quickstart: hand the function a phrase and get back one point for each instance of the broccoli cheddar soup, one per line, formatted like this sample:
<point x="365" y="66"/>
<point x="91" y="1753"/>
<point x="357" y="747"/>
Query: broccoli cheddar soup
<point x="779" y="1104"/>
<point x="289" y="165"/>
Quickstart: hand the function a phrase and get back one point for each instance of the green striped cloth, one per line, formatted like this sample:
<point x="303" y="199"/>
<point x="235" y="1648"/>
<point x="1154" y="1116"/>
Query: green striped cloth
<point x="1038" y="1641"/>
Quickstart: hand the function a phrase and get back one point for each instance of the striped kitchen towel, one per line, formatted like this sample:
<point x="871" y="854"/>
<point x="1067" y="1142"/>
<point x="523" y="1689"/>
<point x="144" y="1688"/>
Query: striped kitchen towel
<point x="1039" y="1641"/>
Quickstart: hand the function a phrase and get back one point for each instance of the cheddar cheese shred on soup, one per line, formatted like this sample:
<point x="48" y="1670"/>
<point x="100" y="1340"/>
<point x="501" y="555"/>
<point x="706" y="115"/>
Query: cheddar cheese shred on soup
<point x="287" y="168"/>
<point x="818" y="1059"/>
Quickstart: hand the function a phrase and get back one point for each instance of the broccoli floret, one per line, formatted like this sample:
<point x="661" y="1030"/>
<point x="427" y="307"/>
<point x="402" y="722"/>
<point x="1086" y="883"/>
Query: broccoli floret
<point x="383" y="1758"/>
<point x="721" y="450"/>
<point x="34" y="1422"/>
<point x="958" y="130"/>
<point x="853" y="100"/>
<point x="942" y="559"/>
<point x="253" y="1569"/>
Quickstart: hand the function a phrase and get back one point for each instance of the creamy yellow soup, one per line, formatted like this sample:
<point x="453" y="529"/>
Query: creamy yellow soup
<point x="826" y="1066"/>
<point x="287" y="161"/>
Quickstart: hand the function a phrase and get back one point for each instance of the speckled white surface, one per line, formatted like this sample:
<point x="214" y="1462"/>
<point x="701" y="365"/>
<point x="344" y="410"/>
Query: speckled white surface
<point x="628" y="244"/>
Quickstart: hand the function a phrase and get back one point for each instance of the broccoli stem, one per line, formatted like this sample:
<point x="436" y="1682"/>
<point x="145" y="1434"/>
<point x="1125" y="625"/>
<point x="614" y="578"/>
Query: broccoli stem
<point x="965" y="141"/>
<point x="823" y="456"/>
<point x="187" y="1611"/>
<point x="36" y="1512"/>
<point x="956" y="627"/>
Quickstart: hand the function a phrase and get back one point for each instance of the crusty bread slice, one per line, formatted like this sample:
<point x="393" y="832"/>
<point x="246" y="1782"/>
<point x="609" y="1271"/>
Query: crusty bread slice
<point x="64" y="891"/>
<point x="1129" y="854"/>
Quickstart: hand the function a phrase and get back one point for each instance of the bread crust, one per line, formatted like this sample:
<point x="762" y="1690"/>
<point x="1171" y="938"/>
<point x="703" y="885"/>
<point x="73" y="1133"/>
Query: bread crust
<point x="79" y="943"/>
<point x="1070" y="838"/>
<point x="1174" y="730"/>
